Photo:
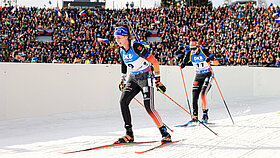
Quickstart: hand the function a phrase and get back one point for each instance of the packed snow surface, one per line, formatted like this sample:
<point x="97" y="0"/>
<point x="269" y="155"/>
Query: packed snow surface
<point x="255" y="134"/>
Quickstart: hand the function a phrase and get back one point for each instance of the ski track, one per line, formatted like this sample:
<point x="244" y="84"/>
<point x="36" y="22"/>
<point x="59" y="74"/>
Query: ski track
<point x="210" y="147"/>
<point x="262" y="141"/>
<point x="252" y="136"/>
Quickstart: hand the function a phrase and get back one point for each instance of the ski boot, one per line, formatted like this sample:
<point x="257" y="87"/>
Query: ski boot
<point x="205" y="116"/>
<point x="166" y="137"/>
<point x="128" y="138"/>
<point x="194" y="121"/>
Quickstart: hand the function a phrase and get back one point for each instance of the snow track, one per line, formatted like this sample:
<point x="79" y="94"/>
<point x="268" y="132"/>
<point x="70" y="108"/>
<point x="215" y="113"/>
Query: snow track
<point x="253" y="136"/>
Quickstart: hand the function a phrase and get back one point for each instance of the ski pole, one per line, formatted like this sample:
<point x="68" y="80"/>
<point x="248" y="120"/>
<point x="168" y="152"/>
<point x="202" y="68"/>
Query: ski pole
<point x="220" y="92"/>
<point x="190" y="114"/>
<point x="185" y="90"/>
<point x="144" y="107"/>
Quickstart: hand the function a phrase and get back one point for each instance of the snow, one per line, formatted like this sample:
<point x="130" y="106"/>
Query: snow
<point x="256" y="132"/>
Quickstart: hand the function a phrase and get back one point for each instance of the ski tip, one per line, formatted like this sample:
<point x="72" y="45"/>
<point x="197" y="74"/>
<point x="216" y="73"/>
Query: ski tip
<point x="139" y="152"/>
<point x="186" y="125"/>
<point x="159" y="146"/>
<point x="210" y="123"/>
<point x="69" y="152"/>
<point x="216" y="134"/>
<point x="179" y="126"/>
<point x="183" y="125"/>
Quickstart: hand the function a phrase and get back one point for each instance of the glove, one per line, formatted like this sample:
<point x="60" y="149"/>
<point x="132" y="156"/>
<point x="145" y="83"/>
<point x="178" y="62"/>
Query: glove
<point x="182" y="65"/>
<point x="122" y="84"/>
<point x="159" y="85"/>
<point x="207" y="59"/>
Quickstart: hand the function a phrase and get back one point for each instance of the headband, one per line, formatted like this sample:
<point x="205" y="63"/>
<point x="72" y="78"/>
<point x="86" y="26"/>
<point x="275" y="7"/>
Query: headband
<point x="121" y="31"/>
<point x="194" y="44"/>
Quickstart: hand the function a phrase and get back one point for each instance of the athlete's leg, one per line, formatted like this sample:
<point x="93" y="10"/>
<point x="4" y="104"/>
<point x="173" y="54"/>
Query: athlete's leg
<point x="205" y="89"/>
<point x="131" y="89"/>
<point x="148" y="95"/>
<point x="129" y="92"/>
<point x="197" y="85"/>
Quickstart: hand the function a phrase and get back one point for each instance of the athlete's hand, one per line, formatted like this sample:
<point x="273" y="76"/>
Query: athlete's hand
<point x="159" y="85"/>
<point x="122" y="84"/>
<point x="182" y="65"/>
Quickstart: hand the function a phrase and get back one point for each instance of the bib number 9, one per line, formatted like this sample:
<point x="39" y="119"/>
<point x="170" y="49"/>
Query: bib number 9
<point x="131" y="66"/>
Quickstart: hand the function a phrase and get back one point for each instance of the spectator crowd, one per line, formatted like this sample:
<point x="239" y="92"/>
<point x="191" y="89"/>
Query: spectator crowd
<point x="236" y="35"/>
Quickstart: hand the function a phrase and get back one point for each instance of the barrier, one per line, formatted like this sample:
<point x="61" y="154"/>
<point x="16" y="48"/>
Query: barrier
<point x="30" y="90"/>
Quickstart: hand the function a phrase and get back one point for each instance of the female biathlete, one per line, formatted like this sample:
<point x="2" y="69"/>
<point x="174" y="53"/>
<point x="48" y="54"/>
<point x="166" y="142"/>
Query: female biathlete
<point x="138" y="58"/>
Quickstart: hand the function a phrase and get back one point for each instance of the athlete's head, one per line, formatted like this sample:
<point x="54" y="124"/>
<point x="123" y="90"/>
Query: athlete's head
<point x="194" y="46"/>
<point x="122" y="35"/>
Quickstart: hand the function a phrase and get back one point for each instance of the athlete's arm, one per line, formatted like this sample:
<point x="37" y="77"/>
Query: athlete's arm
<point x="155" y="64"/>
<point x="159" y="85"/>
<point x="186" y="59"/>
<point x="208" y="54"/>
<point x="123" y="66"/>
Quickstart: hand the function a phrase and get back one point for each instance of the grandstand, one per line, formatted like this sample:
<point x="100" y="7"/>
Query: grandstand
<point x="236" y="34"/>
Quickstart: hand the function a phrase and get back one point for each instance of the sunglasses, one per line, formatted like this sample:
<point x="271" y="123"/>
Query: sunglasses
<point x="193" y="48"/>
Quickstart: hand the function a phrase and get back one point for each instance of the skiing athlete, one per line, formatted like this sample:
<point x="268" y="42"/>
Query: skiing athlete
<point x="203" y="78"/>
<point x="142" y="64"/>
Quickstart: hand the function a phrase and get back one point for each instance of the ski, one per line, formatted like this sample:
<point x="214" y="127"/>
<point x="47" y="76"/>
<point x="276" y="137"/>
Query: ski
<point x="109" y="145"/>
<point x="186" y="125"/>
<point x="193" y="125"/>
<point x="159" y="146"/>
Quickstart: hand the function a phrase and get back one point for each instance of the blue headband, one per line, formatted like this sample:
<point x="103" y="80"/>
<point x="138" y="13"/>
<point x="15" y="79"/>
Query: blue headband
<point x="121" y="31"/>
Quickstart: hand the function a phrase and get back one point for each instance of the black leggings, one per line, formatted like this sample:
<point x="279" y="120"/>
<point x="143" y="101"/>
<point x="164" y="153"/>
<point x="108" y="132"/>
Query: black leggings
<point x="202" y="83"/>
<point x="130" y="91"/>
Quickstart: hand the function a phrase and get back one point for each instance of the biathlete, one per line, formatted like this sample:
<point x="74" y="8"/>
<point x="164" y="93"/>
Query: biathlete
<point x="138" y="58"/>
<point x="203" y="78"/>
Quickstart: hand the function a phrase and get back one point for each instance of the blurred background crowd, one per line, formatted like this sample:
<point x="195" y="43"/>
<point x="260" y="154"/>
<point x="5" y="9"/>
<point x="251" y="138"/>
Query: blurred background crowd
<point x="236" y="35"/>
